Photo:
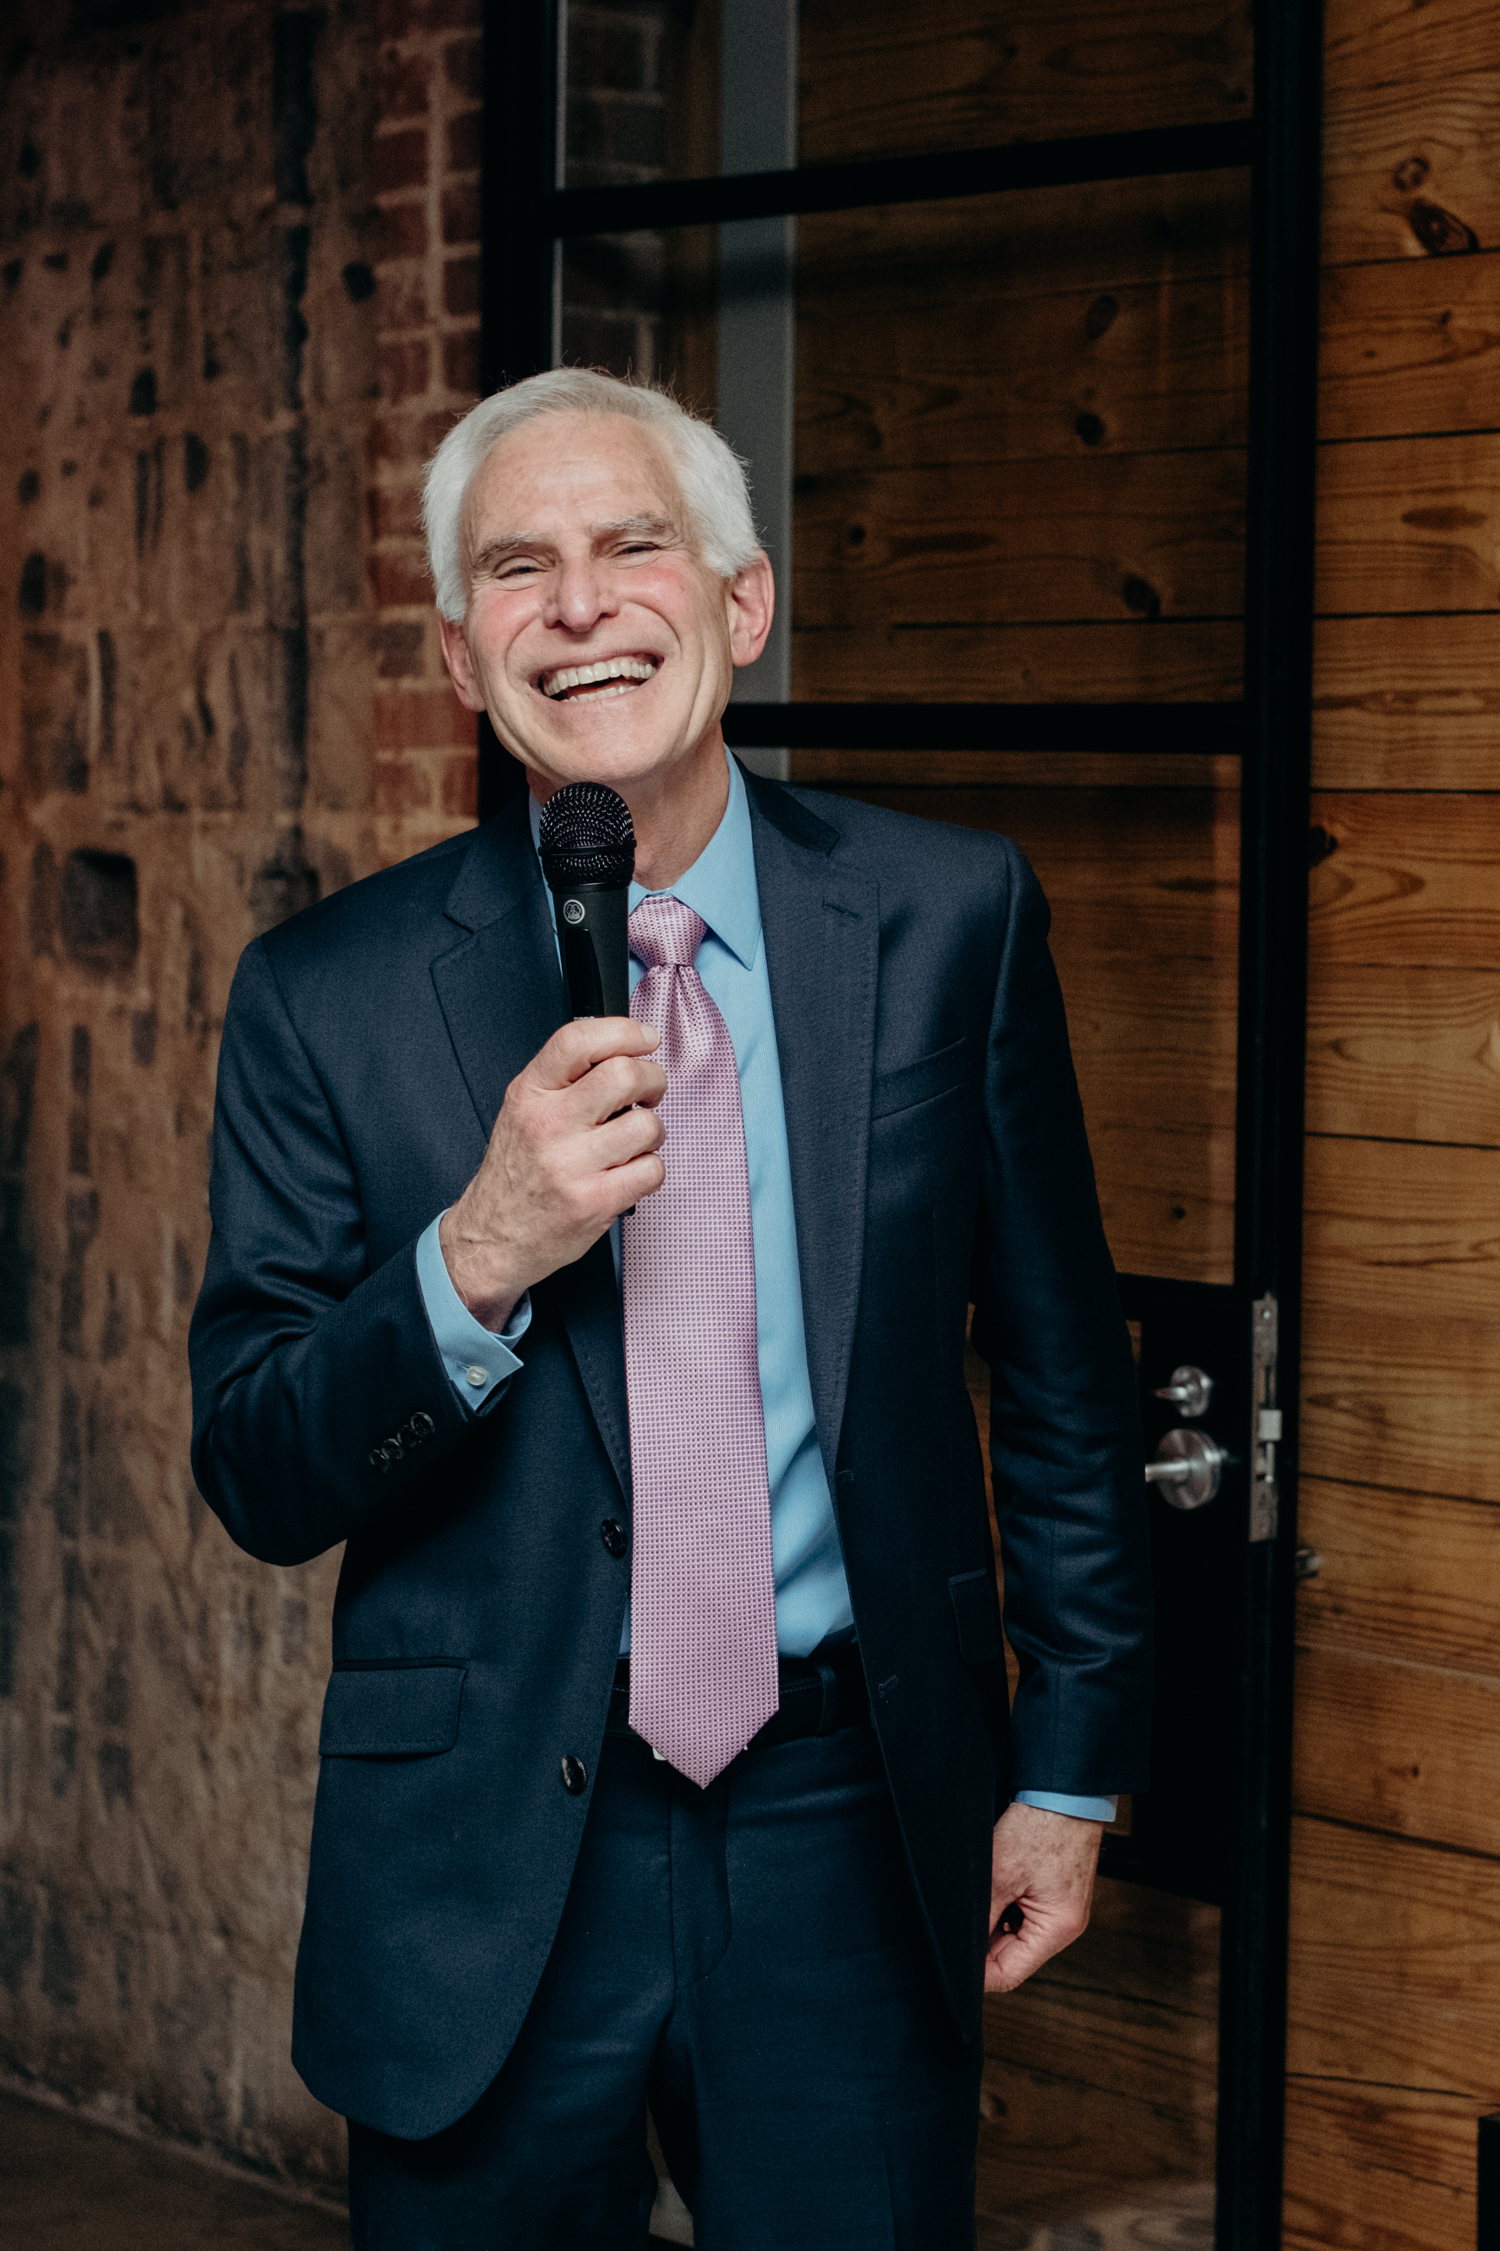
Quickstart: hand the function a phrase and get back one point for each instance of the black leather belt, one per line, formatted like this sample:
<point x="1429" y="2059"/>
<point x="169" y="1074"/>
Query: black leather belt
<point x="819" y="1695"/>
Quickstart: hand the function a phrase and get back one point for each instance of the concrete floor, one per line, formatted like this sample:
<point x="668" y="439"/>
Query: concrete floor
<point x="66" y="2185"/>
<point x="69" y="2186"/>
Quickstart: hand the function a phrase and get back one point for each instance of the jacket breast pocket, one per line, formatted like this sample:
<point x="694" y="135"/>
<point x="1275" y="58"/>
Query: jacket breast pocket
<point x="923" y="1081"/>
<point x="391" y="1711"/>
<point x="976" y="1611"/>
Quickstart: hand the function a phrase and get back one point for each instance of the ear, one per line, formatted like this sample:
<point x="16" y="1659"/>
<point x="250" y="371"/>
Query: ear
<point x="751" y="601"/>
<point x="460" y="664"/>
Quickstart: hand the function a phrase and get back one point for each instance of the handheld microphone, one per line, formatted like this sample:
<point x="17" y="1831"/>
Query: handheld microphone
<point x="588" y="858"/>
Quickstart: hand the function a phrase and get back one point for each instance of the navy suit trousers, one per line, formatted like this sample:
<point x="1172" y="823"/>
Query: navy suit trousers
<point x="748" y="1960"/>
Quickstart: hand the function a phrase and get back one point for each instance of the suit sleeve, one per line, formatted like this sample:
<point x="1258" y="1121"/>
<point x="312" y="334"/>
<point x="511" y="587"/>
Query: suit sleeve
<point x="320" y="1398"/>
<point x="1065" y="1439"/>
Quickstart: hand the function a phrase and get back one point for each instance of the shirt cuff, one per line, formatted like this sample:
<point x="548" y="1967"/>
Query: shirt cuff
<point x="479" y="1362"/>
<point x="1078" y="1809"/>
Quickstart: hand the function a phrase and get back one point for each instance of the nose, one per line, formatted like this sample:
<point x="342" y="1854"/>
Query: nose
<point x="580" y="594"/>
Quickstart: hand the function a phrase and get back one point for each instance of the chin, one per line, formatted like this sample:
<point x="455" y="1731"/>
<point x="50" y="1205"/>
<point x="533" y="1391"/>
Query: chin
<point x="614" y="755"/>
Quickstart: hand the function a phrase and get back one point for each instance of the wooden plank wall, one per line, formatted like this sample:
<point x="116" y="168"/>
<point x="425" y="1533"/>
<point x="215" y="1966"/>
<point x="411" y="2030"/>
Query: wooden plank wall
<point x="1020" y="476"/>
<point x="1395" y="1978"/>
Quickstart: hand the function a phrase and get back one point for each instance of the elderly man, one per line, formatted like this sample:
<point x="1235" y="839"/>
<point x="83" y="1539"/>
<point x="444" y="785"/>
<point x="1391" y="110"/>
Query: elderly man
<point x="553" y="1323"/>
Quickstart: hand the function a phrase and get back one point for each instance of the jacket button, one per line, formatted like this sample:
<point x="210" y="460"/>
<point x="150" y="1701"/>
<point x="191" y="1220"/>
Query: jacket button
<point x="575" y="1777"/>
<point x="612" y="1533"/>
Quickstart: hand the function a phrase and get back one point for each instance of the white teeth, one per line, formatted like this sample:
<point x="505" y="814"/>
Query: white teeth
<point x="608" y="668"/>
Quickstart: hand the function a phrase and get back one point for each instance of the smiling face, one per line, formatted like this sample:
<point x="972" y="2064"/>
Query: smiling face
<point x="595" y="636"/>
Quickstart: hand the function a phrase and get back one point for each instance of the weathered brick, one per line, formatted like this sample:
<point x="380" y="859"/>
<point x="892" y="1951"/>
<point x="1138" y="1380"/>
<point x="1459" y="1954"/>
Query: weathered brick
<point x="402" y="650"/>
<point x="461" y="279"/>
<point x="408" y="437"/>
<point x="460" y="785"/>
<point x="403" y="85"/>
<point x="617" y="129"/>
<point x="340" y="764"/>
<point x="402" y="295"/>
<point x="461" y="362"/>
<point x="463" y="67"/>
<point x="419" y="719"/>
<point x="465" y="141"/>
<point x="461" y="214"/>
<point x="401" y="231"/>
<point x="606" y="53"/>
<point x="404" y="369"/>
<point x="399" y="160"/>
<point x="54" y="713"/>
<point x="400" y="579"/>
<point x="407" y="19"/>
<point x="396" y="511"/>
<point x="193" y="690"/>
<point x="402" y="785"/>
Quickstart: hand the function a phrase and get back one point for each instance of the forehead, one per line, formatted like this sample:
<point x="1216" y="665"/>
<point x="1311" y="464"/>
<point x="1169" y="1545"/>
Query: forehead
<point x="570" y="471"/>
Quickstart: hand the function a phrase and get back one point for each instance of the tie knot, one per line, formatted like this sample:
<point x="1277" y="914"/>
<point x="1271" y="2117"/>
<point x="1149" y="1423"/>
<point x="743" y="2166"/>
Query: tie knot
<point x="665" y="934"/>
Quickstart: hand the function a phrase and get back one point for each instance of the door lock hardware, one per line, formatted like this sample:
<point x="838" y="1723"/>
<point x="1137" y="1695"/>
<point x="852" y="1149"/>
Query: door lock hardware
<point x="1189" y="1391"/>
<point x="1188" y="1469"/>
<point x="1308" y="1564"/>
<point x="1265" y="1419"/>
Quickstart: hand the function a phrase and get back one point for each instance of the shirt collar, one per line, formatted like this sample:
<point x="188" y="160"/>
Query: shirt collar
<point x="720" y="885"/>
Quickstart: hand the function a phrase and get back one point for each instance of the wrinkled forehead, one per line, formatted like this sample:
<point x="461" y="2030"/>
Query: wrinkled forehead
<point x="572" y="472"/>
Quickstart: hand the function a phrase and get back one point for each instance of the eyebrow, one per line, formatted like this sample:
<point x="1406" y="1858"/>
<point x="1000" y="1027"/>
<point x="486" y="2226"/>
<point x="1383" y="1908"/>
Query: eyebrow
<point x="495" y="551"/>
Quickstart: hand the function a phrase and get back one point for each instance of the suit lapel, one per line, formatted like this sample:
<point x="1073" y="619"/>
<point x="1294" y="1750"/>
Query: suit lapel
<point x="821" y="926"/>
<point x="501" y="993"/>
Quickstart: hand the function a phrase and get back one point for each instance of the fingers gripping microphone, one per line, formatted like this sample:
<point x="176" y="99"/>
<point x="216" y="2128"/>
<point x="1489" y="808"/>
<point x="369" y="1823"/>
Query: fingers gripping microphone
<point x="588" y="858"/>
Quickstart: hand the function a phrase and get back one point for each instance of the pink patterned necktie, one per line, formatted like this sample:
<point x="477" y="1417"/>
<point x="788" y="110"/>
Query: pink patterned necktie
<point x="702" y="1593"/>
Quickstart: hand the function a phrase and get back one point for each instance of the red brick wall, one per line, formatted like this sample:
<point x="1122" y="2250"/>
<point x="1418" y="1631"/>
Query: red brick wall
<point x="425" y="172"/>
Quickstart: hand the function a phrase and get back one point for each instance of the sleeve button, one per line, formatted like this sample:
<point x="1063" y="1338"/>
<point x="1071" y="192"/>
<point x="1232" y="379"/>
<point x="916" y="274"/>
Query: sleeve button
<point x="575" y="1777"/>
<point x="476" y="1375"/>
<point x="612" y="1533"/>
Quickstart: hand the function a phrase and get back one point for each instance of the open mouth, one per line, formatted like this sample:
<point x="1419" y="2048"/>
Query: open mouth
<point x="593" y="683"/>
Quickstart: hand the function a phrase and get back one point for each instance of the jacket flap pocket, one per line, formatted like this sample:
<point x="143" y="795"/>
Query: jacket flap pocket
<point x="391" y="1711"/>
<point x="911" y="1083"/>
<point x="976" y="1606"/>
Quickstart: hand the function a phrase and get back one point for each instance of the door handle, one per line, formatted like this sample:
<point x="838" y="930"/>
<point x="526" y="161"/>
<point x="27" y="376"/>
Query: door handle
<point x="1189" y="1392"/>
<point x="1189" y="1468"/>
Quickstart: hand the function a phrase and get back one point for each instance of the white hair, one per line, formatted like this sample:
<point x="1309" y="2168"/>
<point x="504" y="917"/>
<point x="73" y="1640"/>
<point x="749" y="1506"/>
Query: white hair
<point x="710" y="474"/>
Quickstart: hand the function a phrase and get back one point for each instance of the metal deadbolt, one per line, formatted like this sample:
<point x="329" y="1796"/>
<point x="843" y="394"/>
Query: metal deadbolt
<point x="1188" y="1469"/>
<point x="1189" y="1391"/>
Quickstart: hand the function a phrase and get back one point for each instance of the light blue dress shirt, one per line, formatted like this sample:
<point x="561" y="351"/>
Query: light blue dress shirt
<point x="812" y="1593"/>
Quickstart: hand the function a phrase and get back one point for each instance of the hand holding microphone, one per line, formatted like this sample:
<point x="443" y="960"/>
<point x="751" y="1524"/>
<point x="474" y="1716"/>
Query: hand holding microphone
<point x="576" y="1139"/>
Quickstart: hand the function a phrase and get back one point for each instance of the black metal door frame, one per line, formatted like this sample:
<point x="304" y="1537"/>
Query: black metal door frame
<point x="527" y="215"/>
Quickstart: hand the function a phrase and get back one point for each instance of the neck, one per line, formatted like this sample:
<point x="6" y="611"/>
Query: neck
<point x="674" y="814"/>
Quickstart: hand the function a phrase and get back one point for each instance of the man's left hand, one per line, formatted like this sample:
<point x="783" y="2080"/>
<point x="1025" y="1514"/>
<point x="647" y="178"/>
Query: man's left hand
<point x="1042" y="1863"/>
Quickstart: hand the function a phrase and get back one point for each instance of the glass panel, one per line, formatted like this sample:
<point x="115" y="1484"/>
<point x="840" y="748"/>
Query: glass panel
<point x="1020" y="466"/>
<point x="646" y="304"/>
<point x="640" y="92"/>
<point x="1098" y="2108"/>
<point x="1019" y="477"/>
<point x="882" y="78"/>
<point x="1139" y="858"/>
<point x="662" y="89"/>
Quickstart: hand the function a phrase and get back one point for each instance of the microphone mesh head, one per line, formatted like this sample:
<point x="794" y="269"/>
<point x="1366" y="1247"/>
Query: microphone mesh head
<point x="587" y="837"/>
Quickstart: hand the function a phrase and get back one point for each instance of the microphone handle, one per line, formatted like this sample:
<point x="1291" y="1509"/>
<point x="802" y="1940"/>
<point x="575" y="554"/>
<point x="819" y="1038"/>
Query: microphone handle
<point x="591" y="920"/>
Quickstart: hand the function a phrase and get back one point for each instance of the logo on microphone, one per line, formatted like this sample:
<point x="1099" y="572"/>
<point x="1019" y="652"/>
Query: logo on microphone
<point x="573" y="910"/>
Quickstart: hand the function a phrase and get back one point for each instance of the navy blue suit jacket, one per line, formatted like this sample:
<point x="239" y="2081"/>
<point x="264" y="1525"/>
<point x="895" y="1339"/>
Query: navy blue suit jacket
<point x="937" y="1156"/>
